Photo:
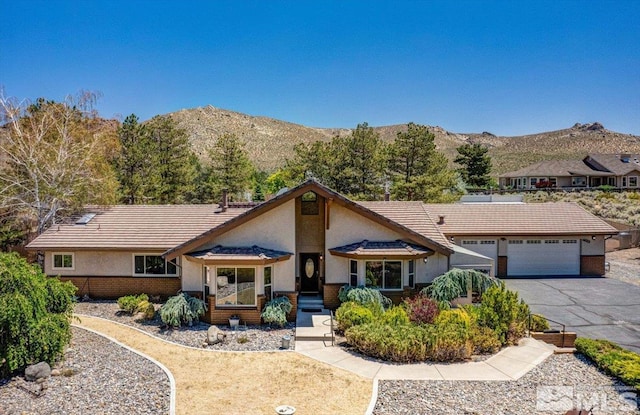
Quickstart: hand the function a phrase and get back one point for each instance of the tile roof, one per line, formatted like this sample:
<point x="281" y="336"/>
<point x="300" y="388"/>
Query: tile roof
<point x="556" y="168"/>
<point x="229" y="253"/>
<point x="135" y="227"/>
<point x="560" y="218"/>
<point x="614" y="163"/>
<point x="411" y="215"/>
<point x="382" y="248"/>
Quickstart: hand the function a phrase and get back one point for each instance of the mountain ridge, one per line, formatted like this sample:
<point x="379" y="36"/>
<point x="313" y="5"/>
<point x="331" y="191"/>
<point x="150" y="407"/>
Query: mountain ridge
<point x="270" y="141"/>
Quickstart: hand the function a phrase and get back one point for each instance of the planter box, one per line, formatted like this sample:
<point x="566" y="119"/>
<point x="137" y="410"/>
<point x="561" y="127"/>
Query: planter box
<point x="558" y="339"/>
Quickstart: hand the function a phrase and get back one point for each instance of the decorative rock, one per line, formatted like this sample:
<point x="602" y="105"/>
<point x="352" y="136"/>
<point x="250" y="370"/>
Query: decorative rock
<point x="37" y="371"/>
<point x="55" y="372"/>
<point x="215" y="335"/>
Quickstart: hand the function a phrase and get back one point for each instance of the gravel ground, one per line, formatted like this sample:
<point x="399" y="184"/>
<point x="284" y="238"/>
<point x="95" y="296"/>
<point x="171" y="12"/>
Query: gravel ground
<point x="108" y="379"/>
<point x="559" y="384"/>
<point x="624" y="265"/>
<point x="251" y="338"/>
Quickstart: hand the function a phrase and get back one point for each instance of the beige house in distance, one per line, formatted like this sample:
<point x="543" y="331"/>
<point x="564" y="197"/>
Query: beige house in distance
<point x="308" y="240"/>
<point x="617" y="170"/>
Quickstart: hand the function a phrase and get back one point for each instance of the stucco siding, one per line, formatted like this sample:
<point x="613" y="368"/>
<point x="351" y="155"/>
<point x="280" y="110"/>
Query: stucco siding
<point x="273" y="230"/>
<point x="94" y="263"/>
<point x="592" y="247"/>
<point x="284" y="275"/>
<point x="191" y="275"/>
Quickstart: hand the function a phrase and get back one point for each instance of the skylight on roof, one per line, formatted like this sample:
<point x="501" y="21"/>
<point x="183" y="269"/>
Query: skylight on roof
<point x="86" y="218"/>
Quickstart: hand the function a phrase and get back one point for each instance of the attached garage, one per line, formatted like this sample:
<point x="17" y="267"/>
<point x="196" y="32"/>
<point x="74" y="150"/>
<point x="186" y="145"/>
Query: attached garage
<point x="538" y="257"/>
<point x="486" y="247"/>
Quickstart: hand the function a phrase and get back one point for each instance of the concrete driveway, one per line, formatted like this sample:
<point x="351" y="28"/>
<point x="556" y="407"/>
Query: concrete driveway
<point x="601" y="308"/>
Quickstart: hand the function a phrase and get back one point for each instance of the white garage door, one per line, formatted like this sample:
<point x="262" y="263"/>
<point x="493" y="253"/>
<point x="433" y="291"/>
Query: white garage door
<point x="543" y="257"/>
<point x="486" y="247"/>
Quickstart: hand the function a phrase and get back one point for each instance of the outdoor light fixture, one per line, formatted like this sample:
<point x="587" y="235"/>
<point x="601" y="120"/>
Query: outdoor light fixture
<point x="425" y="259"/>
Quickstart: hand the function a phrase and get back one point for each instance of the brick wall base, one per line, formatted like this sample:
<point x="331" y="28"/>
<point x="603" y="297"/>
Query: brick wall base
<point x="592" y="265"/>
<point x="248" y="315"/>
<point x="566" y="339"/>
<point x="330" y="295"/>
<point x="114" y="287"/>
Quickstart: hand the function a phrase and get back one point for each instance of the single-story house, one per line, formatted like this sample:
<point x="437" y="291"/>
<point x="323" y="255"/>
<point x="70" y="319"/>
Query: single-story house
<point x="617" y="170"/>
<point x="308" y="239"/>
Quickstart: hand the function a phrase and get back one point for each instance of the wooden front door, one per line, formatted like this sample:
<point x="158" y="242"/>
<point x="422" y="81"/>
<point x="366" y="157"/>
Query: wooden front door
<point x="309" y="272"/>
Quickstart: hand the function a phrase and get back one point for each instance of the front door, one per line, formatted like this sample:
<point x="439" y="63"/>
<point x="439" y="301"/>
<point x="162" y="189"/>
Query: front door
<point x="309" y="273"/>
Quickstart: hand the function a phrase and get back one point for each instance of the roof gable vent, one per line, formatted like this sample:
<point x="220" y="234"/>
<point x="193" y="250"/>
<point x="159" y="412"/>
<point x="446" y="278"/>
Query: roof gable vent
<point x="86" y="218"/>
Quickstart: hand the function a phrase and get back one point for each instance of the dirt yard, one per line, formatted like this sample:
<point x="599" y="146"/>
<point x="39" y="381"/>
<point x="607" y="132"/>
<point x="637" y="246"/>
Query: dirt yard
<point x="247" y="383"/>
<point x="624" y="265"/>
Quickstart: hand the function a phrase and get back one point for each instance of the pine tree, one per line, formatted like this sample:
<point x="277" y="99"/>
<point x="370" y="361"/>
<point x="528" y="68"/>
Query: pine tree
<point x="230" y="166"/>
<point x="476" y="164"/>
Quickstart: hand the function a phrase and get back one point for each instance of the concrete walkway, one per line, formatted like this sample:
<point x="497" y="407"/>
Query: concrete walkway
<point x="509" y="364"/>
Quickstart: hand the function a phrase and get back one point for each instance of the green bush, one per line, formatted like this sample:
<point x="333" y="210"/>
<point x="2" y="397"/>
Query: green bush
<point x="148" y="309"/>
<point x="395" y="316"/>
<point x="421" y="309"/>
<point x="364" y="296"/>
<point x="502" y="311"/>
<point x="276" y="310"/>
<point x="35" y="313"/>
<point x="538" y="323"/>
<point x="484" y="340"/>
<point x="130" y="304"/>
<point x="351" y="314"/>
<point x="452" y="336"/>
<point x="404" y="343"/>
<point x="182" y="309"/>
<point x="613" y="359"/>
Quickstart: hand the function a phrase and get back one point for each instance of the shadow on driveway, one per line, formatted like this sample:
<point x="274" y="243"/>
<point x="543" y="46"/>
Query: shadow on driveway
<point x="599" y="308"/>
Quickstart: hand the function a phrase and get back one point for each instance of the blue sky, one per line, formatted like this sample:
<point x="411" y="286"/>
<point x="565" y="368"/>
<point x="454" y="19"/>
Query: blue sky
<point x="508" y="67"/>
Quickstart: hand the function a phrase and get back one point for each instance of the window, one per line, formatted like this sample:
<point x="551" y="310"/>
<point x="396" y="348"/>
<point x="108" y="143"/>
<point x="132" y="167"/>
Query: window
<point x="63" y="261"/>
<point x="469" y="242"/>
<point x="533" y="181"/>
<point x="633" y="181"/>
<point x="624" y="181"/>
<point x="534" y="241"/>
<point x="386" y="275"/>
<point x="515" y="241"/>
<point x="578" y="181"/>
<point x="353" y="273"/>
<point x="553" y="182"/>
<point x="487" y="242"/>
<point x="235" y="286"/>
<point x="412" y="273"/>
<point x="153" y="265"/>
<point x="551" y="241"/>
<point x="309" y="204"/>
<point x="267" y="283"/>
<point x="206" y="279"/>
<point x="569" y="241"/>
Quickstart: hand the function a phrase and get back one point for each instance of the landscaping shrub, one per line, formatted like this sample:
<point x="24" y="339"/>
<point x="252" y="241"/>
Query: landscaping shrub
<point x="182" y="309"/>
<point x="456" y="282"/>
<point x="35" y="313"/>
<point x="451" y="341"/>
<point x="364" y="295"/>
<point x="421" y="309"/>
<point x="484" y="340"/>
<point x="538" y="323"/>
<point x="404" y="343"/>
<point x="147" y="309"/>
<point x="613" y="359"/>
<point x="395" y="316"/>
<point x="351" y="314"/>
<point x="503" y="312"/>
<point x="276" y="310"/>
<point x="130" y="304"/>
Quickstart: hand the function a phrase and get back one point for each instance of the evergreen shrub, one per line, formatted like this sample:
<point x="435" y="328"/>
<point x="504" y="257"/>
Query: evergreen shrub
<point x="276" y="310"/>
<point x="182" y="309"/>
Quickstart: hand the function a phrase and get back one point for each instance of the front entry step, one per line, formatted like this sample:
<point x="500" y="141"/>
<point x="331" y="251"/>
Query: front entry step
<point x="310" y="302"/>
<point x="313" y="325"/>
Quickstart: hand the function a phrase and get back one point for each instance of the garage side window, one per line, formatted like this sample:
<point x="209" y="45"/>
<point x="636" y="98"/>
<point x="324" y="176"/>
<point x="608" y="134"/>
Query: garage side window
<point x="63" y="261"/>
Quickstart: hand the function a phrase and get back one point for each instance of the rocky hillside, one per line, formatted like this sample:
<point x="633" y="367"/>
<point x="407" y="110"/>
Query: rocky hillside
<point x="271" y="141"/>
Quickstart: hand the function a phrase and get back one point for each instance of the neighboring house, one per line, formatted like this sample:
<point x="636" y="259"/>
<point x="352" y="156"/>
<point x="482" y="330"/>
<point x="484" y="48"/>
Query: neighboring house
<point x="308" y="239"/>
<point x="617" y="170"/>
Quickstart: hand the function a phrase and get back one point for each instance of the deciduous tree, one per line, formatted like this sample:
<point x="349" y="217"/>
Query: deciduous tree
<point x="56" y="157"/>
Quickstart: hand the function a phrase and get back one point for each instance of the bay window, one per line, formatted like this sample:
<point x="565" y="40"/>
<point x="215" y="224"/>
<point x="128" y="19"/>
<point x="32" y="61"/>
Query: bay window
<point x="386" y="275"/>
<point x="235" y="286"/>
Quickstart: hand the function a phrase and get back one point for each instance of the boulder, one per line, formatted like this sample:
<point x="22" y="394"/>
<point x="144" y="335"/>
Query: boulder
<point x="37" y="371"/>
<point x="215" y="335"/>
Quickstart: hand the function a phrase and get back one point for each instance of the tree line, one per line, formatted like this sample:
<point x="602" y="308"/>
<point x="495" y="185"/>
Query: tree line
<point x="57" y="157"/>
